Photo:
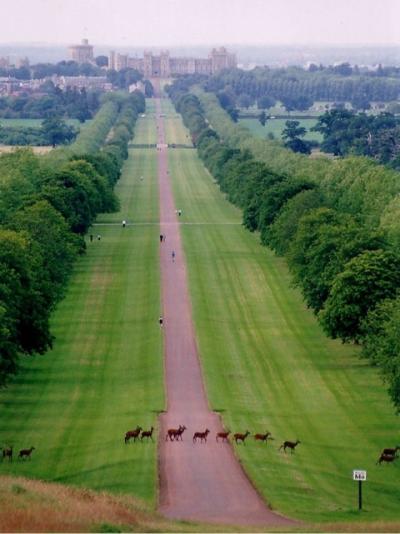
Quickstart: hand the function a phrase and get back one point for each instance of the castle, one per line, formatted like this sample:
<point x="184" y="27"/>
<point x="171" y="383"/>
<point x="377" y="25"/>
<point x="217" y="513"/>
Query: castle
<point x="82" y="53"/>
<point x="164" y="66"/>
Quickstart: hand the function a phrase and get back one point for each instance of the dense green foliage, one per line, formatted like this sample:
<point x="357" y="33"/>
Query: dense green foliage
<point x="53" y="131"/>
<point x="46" y="205"/>
<point x="328" y="224"/>
<point x="366" y="135"/>
<point x="297" y="88"/>
<point x="71" y="103"/>
<point x="43" y="70"/>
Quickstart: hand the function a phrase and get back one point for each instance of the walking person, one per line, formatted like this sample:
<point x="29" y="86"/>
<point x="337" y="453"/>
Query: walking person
<point x="161" y="320"/>
<point x="173" y="256"/>
<point x="161" y="238"/>
<point x="123" y="224"/>
<point x="91" y="237"/>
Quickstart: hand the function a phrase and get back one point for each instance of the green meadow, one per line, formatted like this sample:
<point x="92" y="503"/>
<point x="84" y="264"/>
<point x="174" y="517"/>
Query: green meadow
<point x="276" y="126"/>
<point x="268" y="366"/>
<point x="104" y="374"/>
<point x="34" y="123"/>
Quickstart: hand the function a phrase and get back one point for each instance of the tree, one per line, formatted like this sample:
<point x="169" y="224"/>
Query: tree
<point x="263" y="118"/>
<point x="382" y="344"/>
<point x="148" y="89"/>
<point x="101" y="61"/>
<point x="366" y="280"/>
<point x="57" y="131"/>
<point x="292" y="134"/>
<point x="265" y="102"/>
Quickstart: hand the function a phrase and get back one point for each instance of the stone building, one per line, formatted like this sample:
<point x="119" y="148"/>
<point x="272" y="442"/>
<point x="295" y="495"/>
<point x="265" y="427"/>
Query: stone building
<point x="164" y="66"/>
<point x="82" y="53"/>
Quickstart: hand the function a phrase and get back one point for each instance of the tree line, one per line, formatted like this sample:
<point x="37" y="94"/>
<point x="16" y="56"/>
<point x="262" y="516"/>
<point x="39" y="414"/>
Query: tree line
<point x="334" y="222"/>
<point x="47" y="205"/>
<point x="345" y="132"/>
<point x="298" y="88"/>
<point x="72" y="103"/>
<point x="52" y="131"/>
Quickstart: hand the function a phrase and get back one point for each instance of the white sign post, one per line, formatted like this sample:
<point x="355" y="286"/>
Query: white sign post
<point x="361" y="476"/>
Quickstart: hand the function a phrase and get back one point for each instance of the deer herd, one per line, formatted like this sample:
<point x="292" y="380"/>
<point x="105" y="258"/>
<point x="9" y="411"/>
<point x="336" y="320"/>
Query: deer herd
<point x="23" y="453"/>
<point x="388" y="455"/>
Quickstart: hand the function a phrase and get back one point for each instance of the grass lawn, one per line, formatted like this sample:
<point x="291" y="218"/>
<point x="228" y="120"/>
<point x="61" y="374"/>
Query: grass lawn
<point x="34" y="123"/>
<point x="276" y="126"/>
<point x="268" y="365"/>
<point x="105" y="372"/>
<point x="174" y="133"/>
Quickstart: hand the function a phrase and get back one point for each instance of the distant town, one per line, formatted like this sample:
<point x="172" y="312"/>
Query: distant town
<point x="151" y="65"/>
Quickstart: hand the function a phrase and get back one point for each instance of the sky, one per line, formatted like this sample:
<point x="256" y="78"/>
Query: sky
<point x="200" y="22"/>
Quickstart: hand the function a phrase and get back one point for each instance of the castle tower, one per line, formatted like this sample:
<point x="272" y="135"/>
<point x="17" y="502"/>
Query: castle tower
<point x="82" y="53"/>
<point x="165" y="67"/>
<point x="147" y="64"/>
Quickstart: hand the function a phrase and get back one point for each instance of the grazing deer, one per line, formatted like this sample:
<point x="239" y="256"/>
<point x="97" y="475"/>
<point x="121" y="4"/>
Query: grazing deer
<point x="175" y="433"/>
<point x="26" y="453"/>
<point x="133" y="434"/>
<point x="386" y="458"/>
<point x="263" y="437"/>
<point x="201" y="435"/>
<point x="290" y="445"/>
<point x="391" y="452"/>
<point x="222" y="435"/>
<point x="8" y="453"/>
<point x="147" y="434"/>
<point x="241" y="437"/>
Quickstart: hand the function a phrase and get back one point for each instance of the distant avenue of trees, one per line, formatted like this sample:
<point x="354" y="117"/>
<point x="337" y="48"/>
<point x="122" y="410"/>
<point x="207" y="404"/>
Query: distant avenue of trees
<point x="46" y="206"/>
<point x="337" y="223"/>
<point x="298" y="88"/>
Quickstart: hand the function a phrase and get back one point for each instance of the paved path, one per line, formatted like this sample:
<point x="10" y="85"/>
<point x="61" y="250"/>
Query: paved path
<point x="201" y="482"/>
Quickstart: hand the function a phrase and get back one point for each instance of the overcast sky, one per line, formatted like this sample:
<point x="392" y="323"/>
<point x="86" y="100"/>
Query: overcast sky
<point x="185" y="22"/>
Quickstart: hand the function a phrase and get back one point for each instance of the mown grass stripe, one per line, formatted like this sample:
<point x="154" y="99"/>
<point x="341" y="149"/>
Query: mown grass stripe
<point x="105" y="372"/>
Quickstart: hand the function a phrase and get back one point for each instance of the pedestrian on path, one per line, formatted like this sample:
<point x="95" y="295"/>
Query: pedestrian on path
<point x="123" y="224"/>
<point x="98" y="237"/>
<point x="161" y="320"/>
<point x="161" y="238"/>
<point x="173" y="255"/>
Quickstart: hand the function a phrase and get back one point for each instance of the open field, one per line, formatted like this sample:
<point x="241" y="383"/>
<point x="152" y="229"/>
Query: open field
<point x="276" y="126"/>
<point x="105" y="372"/>
<point x="34" y="123"/>
<point x="145" y="130"/>
<point x="36" y="149"/>
<point x="268" y="365"/>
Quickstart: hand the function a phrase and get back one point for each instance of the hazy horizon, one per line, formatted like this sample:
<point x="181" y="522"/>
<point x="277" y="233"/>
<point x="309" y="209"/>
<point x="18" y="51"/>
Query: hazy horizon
<point x="175" y="23"/>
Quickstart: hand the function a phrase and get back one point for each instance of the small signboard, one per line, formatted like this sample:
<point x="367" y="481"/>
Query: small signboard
<point x="359" y="475"/>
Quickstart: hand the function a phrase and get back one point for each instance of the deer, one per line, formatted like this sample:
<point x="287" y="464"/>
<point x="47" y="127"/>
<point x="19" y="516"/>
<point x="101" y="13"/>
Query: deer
<point x="133" y="434"/>
<point x="26" y="453"/>
<point x="290" y="445"/>
<point x="241" y="437"/>
<point x="391" y="452"/>
<point x="263" y="437"/>
<point x="223" y="436"/>
<point x="175" y="433"/>
<point x="147" y="434"/>
<point x="386" y="458"/>
<point x="8" y="453"/>
<point x="201" y="435"/>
